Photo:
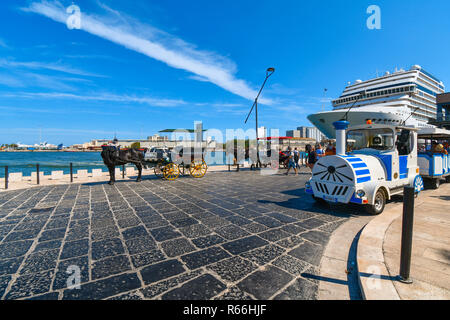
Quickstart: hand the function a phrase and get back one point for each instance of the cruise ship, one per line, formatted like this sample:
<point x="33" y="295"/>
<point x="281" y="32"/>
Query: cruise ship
<point x="392" y="98"/>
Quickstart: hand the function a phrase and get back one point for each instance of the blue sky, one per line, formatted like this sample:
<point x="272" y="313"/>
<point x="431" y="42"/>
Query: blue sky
<point x="137" y="67"/>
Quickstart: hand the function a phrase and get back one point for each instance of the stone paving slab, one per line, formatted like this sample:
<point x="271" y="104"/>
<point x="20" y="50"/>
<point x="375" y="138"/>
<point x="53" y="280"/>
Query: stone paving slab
<point x="237" y="235"/>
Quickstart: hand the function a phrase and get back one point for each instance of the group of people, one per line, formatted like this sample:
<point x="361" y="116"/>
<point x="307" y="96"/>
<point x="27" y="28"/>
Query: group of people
<point x="313" y="154"/>
<point x="439" y="148"/>
<point x="293" y="158"/>
<point x="435" y="148"/>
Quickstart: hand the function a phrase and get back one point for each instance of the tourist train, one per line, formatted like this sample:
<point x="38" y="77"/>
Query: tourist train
<point x="373" y="162"/>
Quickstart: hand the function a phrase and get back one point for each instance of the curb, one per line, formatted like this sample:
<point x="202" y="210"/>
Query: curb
<point x="376" y="283"/>
<point x="338" y="265"/>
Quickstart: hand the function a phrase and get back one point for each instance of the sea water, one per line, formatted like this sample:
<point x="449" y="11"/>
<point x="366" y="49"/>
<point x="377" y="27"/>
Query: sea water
<point x="25" y="162"/>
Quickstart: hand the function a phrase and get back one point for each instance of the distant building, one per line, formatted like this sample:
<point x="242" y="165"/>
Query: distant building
<point x="306" y="132"/>
<point x="302" y="131"/>
<point x="293" y="134"/>
<point x="314" y="133"/>
<point x="443" y="111"/>
<point x="157" y="140"/>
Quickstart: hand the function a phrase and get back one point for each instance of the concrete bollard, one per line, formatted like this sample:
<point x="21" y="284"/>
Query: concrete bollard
<point x="130" y="171"/>
<point x="15" y="177"/>
<point x="82" y="174"/>
<point x="57" y="175"/>
<point x="96" y="172"/>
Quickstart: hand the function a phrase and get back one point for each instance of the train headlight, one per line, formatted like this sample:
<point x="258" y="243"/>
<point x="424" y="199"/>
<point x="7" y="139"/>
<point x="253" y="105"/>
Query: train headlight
<point x="360" y="193"/>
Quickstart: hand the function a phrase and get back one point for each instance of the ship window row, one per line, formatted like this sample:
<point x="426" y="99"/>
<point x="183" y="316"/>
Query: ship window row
<point x="383" y="120"/>
<point x="423" y="99"/>
<point x="425" y="81"/>
<point x="376" y="94"/>
<point x="424" y="109"/>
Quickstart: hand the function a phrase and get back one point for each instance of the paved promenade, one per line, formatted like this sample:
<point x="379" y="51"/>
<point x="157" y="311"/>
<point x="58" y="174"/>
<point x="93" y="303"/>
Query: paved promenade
<point x="237" y="235"/>
<point x="379" y="251"/>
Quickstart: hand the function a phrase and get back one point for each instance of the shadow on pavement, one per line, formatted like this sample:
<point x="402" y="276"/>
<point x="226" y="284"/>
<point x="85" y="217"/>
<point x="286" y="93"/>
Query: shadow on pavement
<point x="305" y="202"/>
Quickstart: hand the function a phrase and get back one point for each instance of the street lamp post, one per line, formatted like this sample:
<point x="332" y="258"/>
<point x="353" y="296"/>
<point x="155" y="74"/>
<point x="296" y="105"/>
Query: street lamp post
<point x="269" y="72"/>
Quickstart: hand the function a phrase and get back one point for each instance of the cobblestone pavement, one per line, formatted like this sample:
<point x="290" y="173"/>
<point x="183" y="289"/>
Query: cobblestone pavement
<point x="238" y="235"/>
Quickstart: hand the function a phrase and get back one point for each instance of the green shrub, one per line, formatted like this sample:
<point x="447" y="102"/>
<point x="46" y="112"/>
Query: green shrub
<point x="136" y="145"/>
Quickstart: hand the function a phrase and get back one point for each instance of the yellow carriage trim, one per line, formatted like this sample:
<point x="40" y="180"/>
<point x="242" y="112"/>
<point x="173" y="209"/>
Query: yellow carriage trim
<point x="171" y="171"/>
<point x="198" y="168"/>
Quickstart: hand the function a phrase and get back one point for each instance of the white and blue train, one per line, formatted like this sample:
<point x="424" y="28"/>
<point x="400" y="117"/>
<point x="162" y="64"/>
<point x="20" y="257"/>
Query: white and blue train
<point x="373" y="162"/>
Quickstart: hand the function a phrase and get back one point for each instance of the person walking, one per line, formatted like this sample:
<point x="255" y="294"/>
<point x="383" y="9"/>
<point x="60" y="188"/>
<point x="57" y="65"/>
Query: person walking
<point x="291" y="161"/>
<point x="296" y="158"/>
<point x="312" y="157"/>
<point x="319" y="151"/>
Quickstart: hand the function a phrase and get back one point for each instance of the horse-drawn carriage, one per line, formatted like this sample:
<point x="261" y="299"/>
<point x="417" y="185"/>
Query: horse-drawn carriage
<point x="167" y="164"/>
<point x="169" y="168"/>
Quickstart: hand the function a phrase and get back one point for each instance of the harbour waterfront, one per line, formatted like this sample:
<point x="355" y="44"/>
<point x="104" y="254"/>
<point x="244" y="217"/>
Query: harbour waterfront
<point x="25" y="162"/>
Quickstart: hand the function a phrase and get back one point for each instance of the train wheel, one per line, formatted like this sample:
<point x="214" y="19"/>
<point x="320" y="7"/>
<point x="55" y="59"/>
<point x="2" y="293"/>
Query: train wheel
<point x="198" y="168"/>
<point x="418" y="184"/>
<point x="432" y="183"/>
<point x="171" y="172"/>
<point x="380" y="202"/>
<point x="435" y="184"/>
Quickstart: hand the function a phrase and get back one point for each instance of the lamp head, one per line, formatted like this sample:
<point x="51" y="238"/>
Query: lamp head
<point x="269" y="71"/>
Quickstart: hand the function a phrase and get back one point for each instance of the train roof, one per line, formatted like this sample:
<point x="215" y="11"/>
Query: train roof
<point x="433" y="133"/>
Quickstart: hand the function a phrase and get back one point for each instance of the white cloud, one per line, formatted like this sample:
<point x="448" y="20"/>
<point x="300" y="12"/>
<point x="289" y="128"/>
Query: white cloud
<point x="63" y="131"/>
<point x="155" y="44"/>
<point x="48" y="66"/>
<point x="20" y="78"/>
<point x="57" y="111"/>
<point x="99" y="98"/>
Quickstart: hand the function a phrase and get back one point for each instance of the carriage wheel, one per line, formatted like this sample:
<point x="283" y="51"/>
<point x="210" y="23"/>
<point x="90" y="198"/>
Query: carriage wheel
<point x="171" y="171"/>
<point x="198" y="168"/>
<point x="158" y="169"/>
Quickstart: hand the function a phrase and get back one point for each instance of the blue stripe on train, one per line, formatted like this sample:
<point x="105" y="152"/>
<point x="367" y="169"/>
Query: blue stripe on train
<point x="362" y="172"/>
<point x="364" y="179"/>
<point x="354" y="160"/>
<point x="359" y="165"/>
<point x="387" y="161"/>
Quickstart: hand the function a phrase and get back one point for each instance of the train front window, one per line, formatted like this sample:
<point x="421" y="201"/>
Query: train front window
<point x="377" y="139"/>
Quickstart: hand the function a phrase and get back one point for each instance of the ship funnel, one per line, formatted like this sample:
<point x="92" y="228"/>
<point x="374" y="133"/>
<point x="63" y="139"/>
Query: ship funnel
<point x="340" y="127"/>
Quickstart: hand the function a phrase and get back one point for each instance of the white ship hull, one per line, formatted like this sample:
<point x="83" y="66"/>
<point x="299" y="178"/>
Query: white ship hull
<point x="358" y="116"/>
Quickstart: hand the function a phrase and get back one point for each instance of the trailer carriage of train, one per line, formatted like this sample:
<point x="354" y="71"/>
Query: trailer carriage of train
<point x="433" y="158"/>
<point x="377" y="162"/>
